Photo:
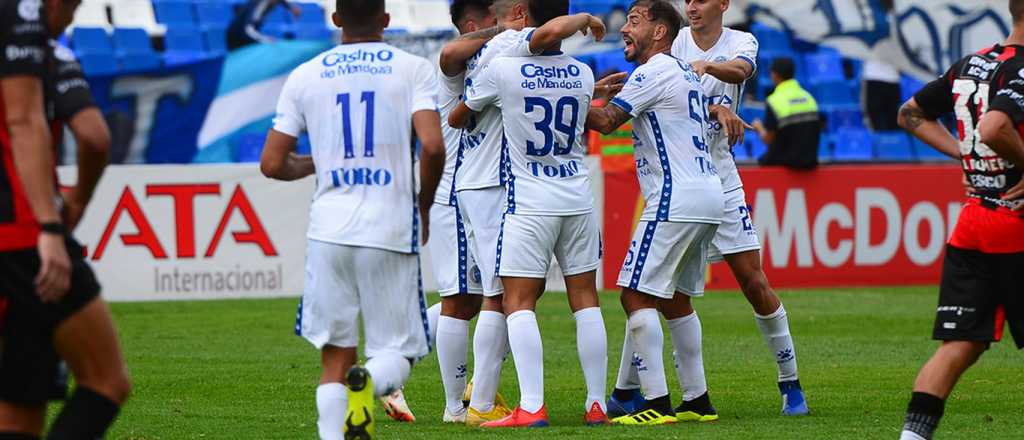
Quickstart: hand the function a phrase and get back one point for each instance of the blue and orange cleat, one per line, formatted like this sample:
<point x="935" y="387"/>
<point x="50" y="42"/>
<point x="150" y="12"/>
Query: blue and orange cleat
<point x="619" y="408"/>
<point x="520" y="418"/>
<point x="793" y="401"/>
<point x="596" y="416"/>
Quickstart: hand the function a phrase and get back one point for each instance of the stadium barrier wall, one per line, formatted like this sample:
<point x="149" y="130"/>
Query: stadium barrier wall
<point x="845" y="225"/>
<point x="182" y="232"/>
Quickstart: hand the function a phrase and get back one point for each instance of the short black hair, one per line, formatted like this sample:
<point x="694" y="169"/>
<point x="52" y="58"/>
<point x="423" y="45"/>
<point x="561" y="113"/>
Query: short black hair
<point x="1017" y="10"/>
<point x="661" y="11"/>
<point x="460" y="8"/>
<point x="543" y="11"/>
<point x="360" y="16"/>
<point x="784" y="67"/>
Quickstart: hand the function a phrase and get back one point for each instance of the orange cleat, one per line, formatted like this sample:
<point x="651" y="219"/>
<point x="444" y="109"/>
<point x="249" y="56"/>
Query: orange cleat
<point x="520" y="418"/>
<point x="596" y="416"/>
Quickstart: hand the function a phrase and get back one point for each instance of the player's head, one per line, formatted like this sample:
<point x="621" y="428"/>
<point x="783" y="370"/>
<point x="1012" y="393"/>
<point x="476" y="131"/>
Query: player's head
<point x="361" y="18"/>
<point x="1017" y="11"/>
<point x="783" y="69"/>
<point x="59" y="14"/>
<point x="651" y="27"/>
<point x="705" y="14"/>
<point x="543" y="11"/>
<point x="472" y="15"/>
<point x="512" y="14"/>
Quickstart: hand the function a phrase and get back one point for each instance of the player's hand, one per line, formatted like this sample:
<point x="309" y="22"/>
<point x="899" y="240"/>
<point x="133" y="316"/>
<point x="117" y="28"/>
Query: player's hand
<point x="699" y="66"/>
<point x="610" y="85"/>
<point x="1016" y="193"/>
<point x="734" y="126"/>
<point x="425" y="223"/>
<point x="968" y="188"/>
<point x="54" y="276"/>
<point x="758" y="126"/>
<point x="596" y="26"/>
<point x="73" y="210"/>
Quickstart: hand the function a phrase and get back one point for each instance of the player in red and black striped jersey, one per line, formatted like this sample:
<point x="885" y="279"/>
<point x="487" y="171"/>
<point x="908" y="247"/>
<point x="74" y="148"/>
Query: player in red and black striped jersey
<point x="50" y="296"/>
<point x="981" y="286"/>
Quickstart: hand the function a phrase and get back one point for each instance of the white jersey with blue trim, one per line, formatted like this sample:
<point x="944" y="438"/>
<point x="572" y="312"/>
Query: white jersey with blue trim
<point x="481" y="140"/>
<point x="677" y="176"/>
<point x="356" y="101"/>
<point x="731" y="45"/>
<point x="452" y="89"/>
<point x="544" y="101"/>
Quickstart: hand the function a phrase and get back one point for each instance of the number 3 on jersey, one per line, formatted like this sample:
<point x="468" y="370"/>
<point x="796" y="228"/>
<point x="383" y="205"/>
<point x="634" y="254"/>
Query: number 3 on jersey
<point x="344" y="100"/>
<point x="557" y="117"/>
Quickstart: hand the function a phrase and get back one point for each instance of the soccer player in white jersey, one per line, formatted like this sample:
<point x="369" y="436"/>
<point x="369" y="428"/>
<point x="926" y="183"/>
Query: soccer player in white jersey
<point x="359" y="102"/>
<point x="549" y="206"/>
<point x="725" y="59"/>
<point x="683" y="193"/>
<point x="455" y="267"/>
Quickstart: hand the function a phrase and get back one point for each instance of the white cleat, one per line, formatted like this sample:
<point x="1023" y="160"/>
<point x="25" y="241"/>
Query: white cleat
<point x="396" y="407"/>
<point x="459" y="417"/>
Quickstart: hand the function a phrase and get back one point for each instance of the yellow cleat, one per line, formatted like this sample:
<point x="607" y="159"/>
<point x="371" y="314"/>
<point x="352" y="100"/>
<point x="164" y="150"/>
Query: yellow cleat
<point x="359" y="417"/>
<point x="649" y="417"/>
<point x="690" y="416"/>
<point x="476" y="418"/>
<point x="499" y="404"/>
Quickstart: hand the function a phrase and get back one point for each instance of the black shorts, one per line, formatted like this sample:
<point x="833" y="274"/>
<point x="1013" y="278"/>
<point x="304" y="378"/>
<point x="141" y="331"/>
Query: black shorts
<point x="980" y="294"/>
<point x="31" y="372"/>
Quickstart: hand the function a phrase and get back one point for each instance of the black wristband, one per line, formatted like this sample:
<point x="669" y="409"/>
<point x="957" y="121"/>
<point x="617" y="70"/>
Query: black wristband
<point x="54" y="228"/>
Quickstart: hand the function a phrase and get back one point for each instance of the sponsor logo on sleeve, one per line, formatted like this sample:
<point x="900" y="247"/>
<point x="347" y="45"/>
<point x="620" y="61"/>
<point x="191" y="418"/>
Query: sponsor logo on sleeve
<point x="28" y="10"/>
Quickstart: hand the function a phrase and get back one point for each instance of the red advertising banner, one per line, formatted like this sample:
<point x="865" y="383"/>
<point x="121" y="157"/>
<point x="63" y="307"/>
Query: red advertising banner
<point x="844" y="225"/>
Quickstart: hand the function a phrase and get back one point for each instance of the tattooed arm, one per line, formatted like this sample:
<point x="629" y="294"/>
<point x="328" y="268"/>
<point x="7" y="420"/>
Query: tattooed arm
<point x="607" y="119"/>
<point x="455" y="54"/>
<point x="913" y="119"/>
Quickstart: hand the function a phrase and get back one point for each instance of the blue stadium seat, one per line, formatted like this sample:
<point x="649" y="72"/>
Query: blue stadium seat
<point x="823" y="67"/>
<point x="825" y="148"/>
<point x="133" y="50"/>
<point x="98" y="64"/>
<point x="843" y="117"/>
<point x="278" y="23"/>
<point x="250" y="147"/>
<point x="175" y="13"/>
<point x="183" y="47"/>
<point x="214" y="13"/>
<point x="311" y="31"/>
<point x="770" y="39"/>
<point x="832" y="95"/>
<point x="311" y="13"/>
<point x="741" y="153"/>
<point x="853" y="144"/>
<point x="91" y="41"/>
<point x="893" y="146"/>
<point x="909" y="86"/>
<point x="750" y="114"/>
<point x="216" y="40"/>
<point x="756" y="146"/>
<point x="596" y="7"/>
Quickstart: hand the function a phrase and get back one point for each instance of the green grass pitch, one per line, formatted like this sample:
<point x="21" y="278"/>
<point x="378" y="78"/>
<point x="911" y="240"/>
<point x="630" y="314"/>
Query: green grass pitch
<point x="234" y="370"/>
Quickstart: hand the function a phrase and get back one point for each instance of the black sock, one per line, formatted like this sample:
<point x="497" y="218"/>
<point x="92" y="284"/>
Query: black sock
<point x="662" y="404"/>
<point x="17" y="436"/>
<point x="702" y="401"/>
<point x="623" y="395"/>
<point x="923" y="414"/>
<point x="86" y="416"/>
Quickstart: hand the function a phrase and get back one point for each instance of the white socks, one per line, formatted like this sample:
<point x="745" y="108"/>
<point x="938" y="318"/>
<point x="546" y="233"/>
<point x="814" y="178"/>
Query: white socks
<point x="649" y="341"/>
<point x="528" y="353"/>
<point x="490" y="344"/>
<point x="686" y="339"/>
<point x="775" y="329"/>
<point x="628" y="378"/>
<point x="452" y="343"/>
<point x="909" y="435"/>
<point x="388" y="371"/>
<point x="331" y="404"/>
<point x="592" y="347"/>
<point x="433" y="315"/>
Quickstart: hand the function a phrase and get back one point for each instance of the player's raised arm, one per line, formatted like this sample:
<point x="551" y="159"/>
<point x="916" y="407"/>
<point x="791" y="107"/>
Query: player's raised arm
<point x="455" y="54"/>
<point x="607" y="119"/>
<point x="552" y="33"/>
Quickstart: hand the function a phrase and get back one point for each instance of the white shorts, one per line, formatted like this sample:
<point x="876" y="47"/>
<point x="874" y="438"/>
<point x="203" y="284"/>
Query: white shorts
<point x="527" y="242"/>
<point x="736" y="234"/>
<point x="481" y="211"/>
<point x="666" y="257"/>
<point x="454" y="266"/>
<point x="344" y="282"/>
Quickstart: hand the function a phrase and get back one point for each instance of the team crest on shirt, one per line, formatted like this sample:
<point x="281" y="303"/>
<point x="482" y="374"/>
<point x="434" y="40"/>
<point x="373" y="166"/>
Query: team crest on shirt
<point x="28" y="10"/>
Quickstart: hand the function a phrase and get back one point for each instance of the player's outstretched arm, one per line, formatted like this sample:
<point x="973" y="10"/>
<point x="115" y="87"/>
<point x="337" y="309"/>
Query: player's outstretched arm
<point x="913" y="119"/>
<point x="997" y="131"/>
<point x="93" y="139"/>
<point x="733" y="125"/>
<point x="606" y="119"/>
<point x="455" y="54"/>
<point x="279" y="160"/>
<point x="427" y="124"/>
<point x="555" y="31"/>
<point x="732" y="72"/>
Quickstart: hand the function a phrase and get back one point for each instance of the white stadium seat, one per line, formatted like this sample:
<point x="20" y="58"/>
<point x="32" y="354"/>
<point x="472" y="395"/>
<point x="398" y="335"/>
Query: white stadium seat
<point x="91" y="13"/>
